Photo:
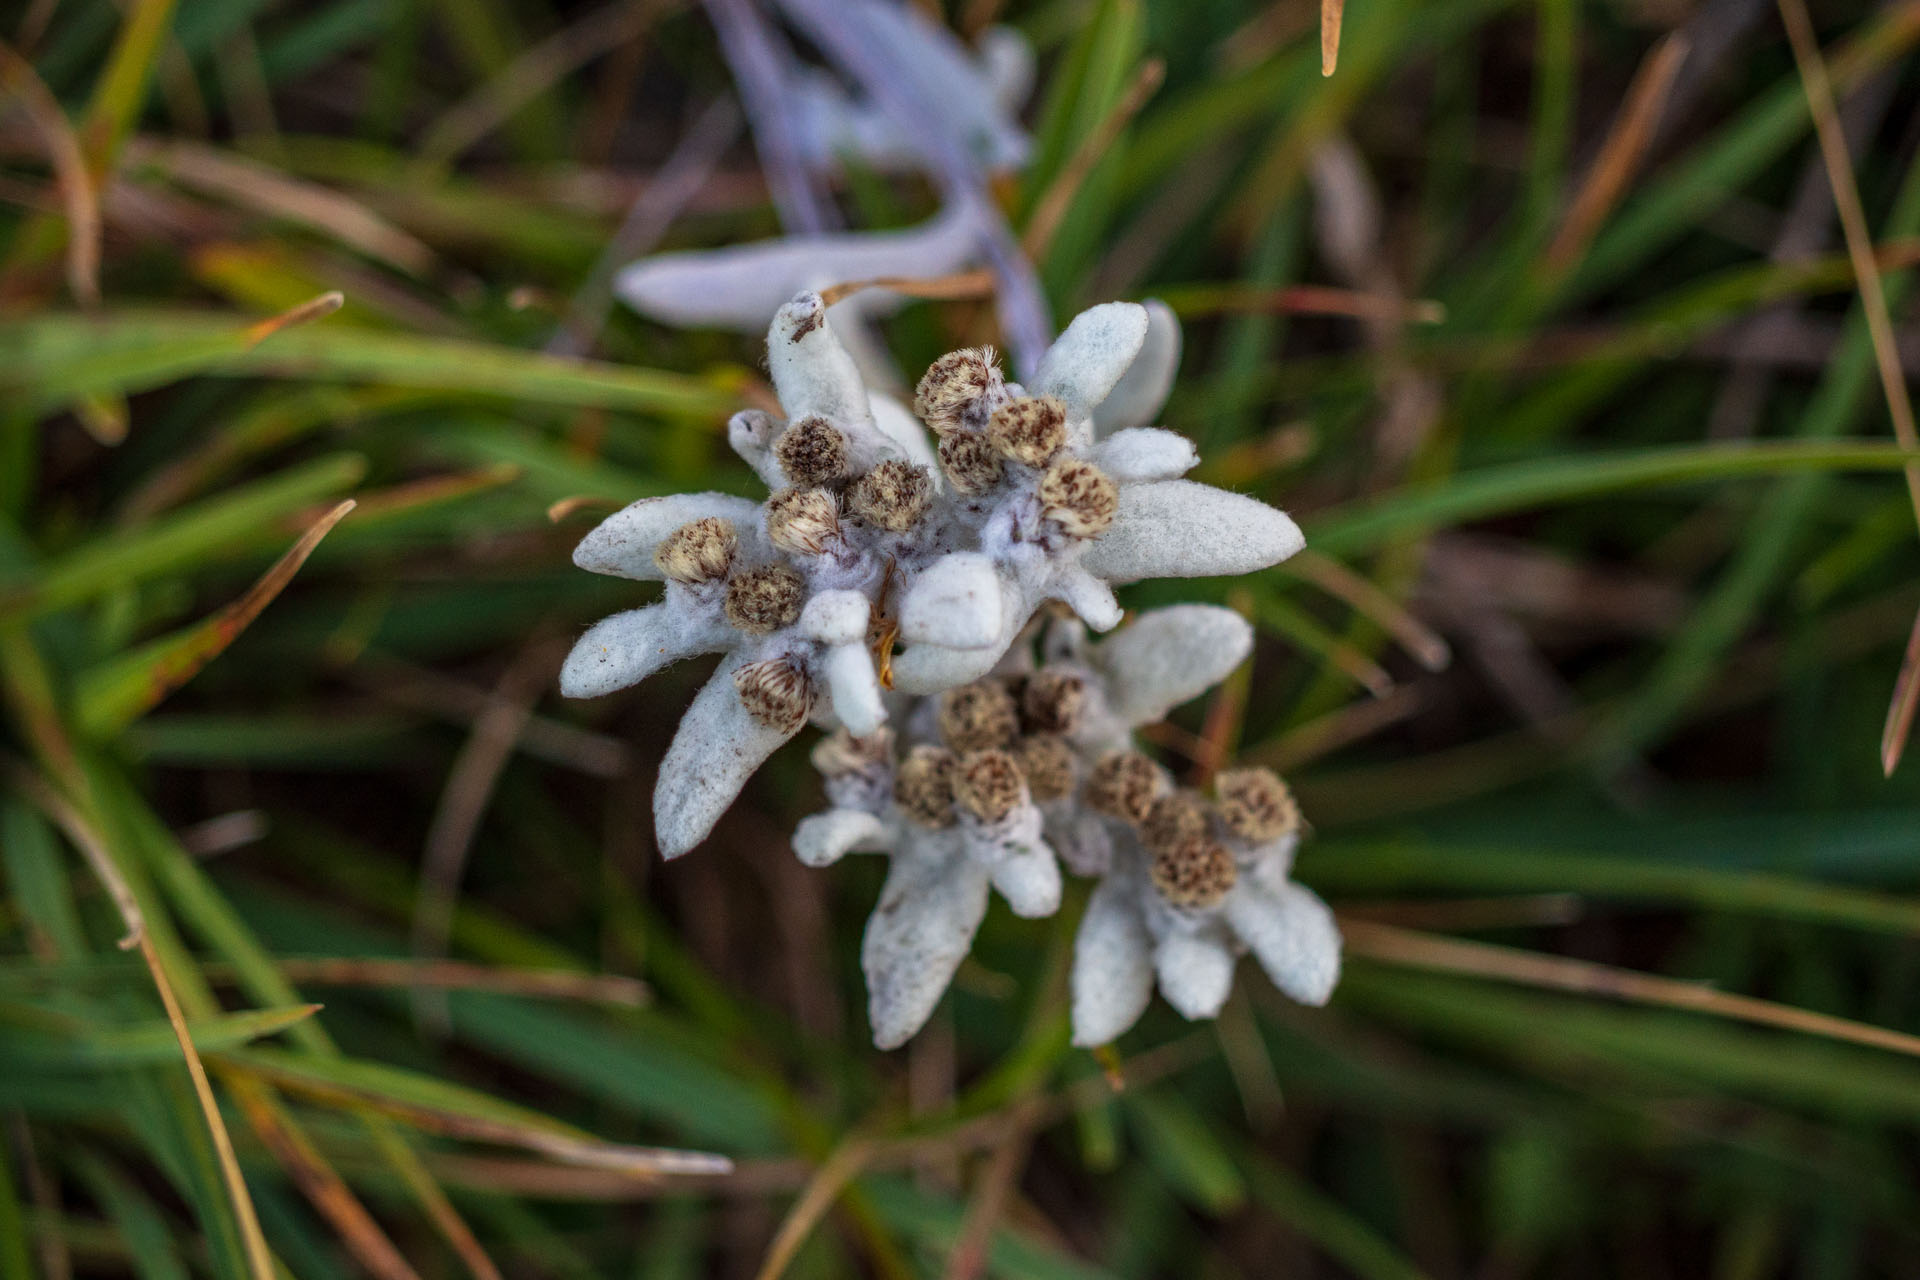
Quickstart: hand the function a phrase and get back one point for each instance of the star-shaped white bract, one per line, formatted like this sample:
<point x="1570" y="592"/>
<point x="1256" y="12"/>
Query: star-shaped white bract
<point x="870" y="528"/>
<point x="992" y="780"/>
<point x="1180" y="914"/>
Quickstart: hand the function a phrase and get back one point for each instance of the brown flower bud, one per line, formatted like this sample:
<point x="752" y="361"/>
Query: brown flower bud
<point x="1079" y="496"/>
<point x="812" y="451"/>
<point x="1123" y="784"/>
<point x="1052" y="700"/>
<point x="775" y="692"/>
<point x="765" y="599"/>
<point x="841" y="753"/>
<point x="802" y="522"/>
<point x="969" y="461"/>
<point x="1256" y="805"/>
<point x="976" y="716"/>
<point x="1173" y="820"/>
<point x="989" y="785"/>
<point x="698" y="552"/>
<point x="1029" y="430"/>
<point x="952" y="384"/>
<point x="1195" y="873"/>
<point x="923" y="785"/>
<point x="893" y="496"/>
<point x="1049" y="765"/>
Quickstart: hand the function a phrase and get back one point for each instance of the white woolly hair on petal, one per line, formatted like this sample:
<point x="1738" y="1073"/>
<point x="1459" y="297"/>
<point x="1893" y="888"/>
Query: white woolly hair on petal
<point x="822" y="839"/>
<point x="1085" y="363"/>
<point x="1029" y="879"/>
<point x="1134" y="454"/>
<point x="750" y="434"/>
<point x="854" y="688"/>
<point x="1089" y="597"/>
<point x="920" y="931"/>
<point x="623" y="544"/>
<point x="812" y="372"/>
<point x="957" y="601"/>
<point x="1112" y="965"/>
<point x="924" y="668"/>
<point x="1136" y="400"/>
<point x="1293" y="935"/>
<point x="835" y="617"/>
<point x="716" y="749"/>
<point x="898" y="424"/>
<point x="625" y="648"/>
<point x="1182" y="529"/>
<point x="1170" y="655"/>
<point x="738" y="287"/>
<point x="1196" y="973"/>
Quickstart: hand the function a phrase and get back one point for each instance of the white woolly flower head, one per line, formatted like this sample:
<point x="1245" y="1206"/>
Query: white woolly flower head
<point x="996" y="784"/>
<point x="870" y="533"/>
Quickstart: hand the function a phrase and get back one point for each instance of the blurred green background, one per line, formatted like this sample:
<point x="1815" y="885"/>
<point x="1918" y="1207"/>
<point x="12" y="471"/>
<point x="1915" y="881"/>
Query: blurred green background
<point x="1581" y="686"/>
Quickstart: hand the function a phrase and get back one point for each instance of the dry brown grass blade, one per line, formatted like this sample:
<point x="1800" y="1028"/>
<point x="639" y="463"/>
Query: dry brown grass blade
<point x="1331" y="12"/>
<point x="1226" y="710"/>
<point x="1506" y="964"/>
<point x="1050" y="210"/>
<point x="78" y="195"/>
<point x="464" y="801"/>
<point x="531" y="1134"/>
<point x="1338" y="728"/>
<point x="441" y="488"/>
<point x="961" y="284"/>
<point x="1427" y="646"/>
<point x="1873" y="302"/>
<point x="1314" y="300"/>
<point x="100" y="860"/>
<point x="1906" y="697"/>
<point x="454" y="975"/>
<point x="312" y="309"/>
<point x="995" y="1188"/>
<point x="822" y="1189"/>
<point x="1620" y="155"/>
<point x="267" y="191"/>
<point x="212" y="637"/>
<point x="324" y="1189"/>
<point x="568" y="507"/>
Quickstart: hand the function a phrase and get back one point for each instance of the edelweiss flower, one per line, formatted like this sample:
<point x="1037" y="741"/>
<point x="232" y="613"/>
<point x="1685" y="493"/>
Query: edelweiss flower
<point x="993" y="778"/>
<point x="1022" y="505"/>
<point x="1191" y="885"/>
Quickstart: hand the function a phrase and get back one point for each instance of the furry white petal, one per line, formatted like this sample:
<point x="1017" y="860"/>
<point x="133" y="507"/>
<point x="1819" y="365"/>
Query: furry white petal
<point x="740" y="286"/>
<point x="1293" y="935"/>
<point x="1089" y="597"/>
<point x="1086" y="361"/>
<point x="623" y="544"/>
<point x="1112" y="965"/>
<point x="1170" y="655"/>
<point x="1136" y="400"/>
<point x="625" y="648"/>
<point x="1021" y="864"/>
<point x="714" y="752"/>
<point x="920" y="931"/>
<point x="1180" y="529"/>
<point x="854" y="688"/>
<point x="822" y="839"/>
<point x="1134" y="454"/>
<point x="1196" y="973"/>
<point x="835" y="617"/>
<point x="957" y="601"/>
<point x="812" y="372"/>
